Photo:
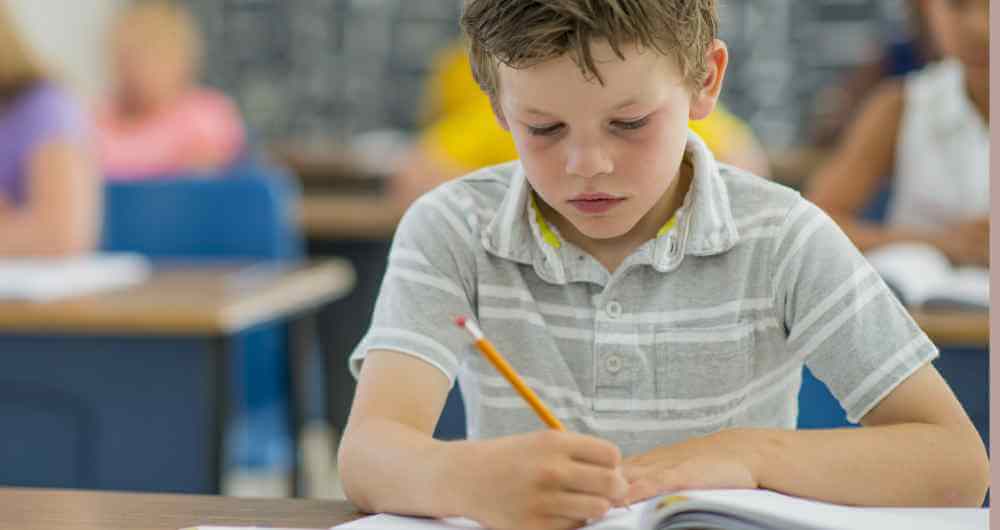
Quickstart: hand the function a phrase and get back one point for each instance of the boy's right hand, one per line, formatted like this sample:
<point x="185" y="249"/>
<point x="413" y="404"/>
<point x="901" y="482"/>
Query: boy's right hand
<point x="541" y="480"/>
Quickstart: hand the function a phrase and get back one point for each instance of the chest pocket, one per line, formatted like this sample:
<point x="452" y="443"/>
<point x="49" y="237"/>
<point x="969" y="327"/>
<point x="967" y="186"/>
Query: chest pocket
<point x="707" y="364"/>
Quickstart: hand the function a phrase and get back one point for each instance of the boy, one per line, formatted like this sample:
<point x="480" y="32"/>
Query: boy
<point x="661" y="304"/>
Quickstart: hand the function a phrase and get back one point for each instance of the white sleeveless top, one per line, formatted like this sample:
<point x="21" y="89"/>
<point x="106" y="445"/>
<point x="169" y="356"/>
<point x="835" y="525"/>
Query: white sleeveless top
<point x="942" y="153"/>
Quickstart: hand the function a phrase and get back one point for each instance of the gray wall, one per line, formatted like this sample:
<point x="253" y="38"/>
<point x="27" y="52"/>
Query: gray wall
<point x="332" y="68"/>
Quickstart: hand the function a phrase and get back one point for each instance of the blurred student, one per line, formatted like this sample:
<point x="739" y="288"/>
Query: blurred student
<point x="929" y="135"/>
<point x="461" y="133"/>
<point x="904" y="51"/>
<point x="49" y="191"/>
<point x="158" y="122"/>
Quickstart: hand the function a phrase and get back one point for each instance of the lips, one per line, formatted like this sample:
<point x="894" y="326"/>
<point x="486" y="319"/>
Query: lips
<point x="595" y="202"/>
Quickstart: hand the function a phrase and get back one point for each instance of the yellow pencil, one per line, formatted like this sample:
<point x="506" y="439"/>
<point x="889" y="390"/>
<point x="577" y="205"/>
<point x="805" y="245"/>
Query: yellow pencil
<point x="508" y="372"/>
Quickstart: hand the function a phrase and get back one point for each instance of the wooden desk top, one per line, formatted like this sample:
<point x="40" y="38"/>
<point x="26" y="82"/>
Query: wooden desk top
<point x="185" y="300"/>
<point x="348" y="216"/>
<point x="955" y="328"/>
<point x="48" y="509"/>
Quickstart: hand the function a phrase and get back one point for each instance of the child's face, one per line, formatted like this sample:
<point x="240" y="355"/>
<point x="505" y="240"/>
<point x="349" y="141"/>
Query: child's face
<point x="148" y="72"/>
<point x="603" y="157"/>
<point x="961" y="30"/>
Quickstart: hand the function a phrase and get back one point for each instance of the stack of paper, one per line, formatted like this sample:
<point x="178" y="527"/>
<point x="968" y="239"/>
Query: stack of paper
<point x="46" y="279"/>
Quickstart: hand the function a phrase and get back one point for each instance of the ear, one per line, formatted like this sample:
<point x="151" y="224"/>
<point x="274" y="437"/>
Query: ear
<point x="703" y="101"/>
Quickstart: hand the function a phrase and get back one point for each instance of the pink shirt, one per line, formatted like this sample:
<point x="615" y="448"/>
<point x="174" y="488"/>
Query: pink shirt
<point x="175" y="141"/>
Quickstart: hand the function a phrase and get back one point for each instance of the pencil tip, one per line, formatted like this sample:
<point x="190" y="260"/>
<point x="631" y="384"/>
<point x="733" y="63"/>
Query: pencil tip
<point x="460" y="321"/>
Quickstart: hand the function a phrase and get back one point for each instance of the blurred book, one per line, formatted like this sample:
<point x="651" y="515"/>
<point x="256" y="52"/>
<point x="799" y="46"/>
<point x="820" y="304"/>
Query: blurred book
<point x="47" y="279"/>
<point x="727" y="510"/>
<point x="922" y="276"/>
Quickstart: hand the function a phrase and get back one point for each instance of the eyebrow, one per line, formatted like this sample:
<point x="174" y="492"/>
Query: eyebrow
<point x="538" y="112"/>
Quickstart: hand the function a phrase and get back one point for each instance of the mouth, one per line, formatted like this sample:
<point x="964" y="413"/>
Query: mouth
<point x="594" y="203"/>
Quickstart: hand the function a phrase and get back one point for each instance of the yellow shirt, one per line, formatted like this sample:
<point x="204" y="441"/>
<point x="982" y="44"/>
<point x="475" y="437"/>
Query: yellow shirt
<point x="463" y="129"/>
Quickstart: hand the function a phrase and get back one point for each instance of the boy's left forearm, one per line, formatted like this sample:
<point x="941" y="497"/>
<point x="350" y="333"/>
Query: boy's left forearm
<point x="904" y="464"/>
<point x="911" y="464"/>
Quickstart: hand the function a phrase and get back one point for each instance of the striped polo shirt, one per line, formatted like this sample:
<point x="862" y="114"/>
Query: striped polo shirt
<point x="705" y="327"/>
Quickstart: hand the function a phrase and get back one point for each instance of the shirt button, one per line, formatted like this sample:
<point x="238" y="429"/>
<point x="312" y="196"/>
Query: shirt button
<point x="613" y="363"/>
<point x="613" y="309"/>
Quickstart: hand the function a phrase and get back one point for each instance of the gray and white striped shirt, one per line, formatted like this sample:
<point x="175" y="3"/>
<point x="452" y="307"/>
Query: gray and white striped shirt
<point x="702" y="328"/>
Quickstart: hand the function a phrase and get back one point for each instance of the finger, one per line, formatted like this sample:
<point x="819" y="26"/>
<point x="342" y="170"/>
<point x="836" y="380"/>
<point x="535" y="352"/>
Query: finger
<point x="595" y="451"/>
<point x="553" y="523"/>
<point x="607" y="483"/>
<point x="575" y="506"/>
<point x="660" y="481"/>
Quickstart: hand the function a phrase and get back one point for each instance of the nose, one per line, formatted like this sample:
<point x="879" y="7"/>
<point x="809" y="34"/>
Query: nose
<point x="588" y="158"/>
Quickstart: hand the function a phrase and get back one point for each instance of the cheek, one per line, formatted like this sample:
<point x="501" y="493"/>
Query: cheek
<point x="540" y="156"/>
<point x="654" y="148"/>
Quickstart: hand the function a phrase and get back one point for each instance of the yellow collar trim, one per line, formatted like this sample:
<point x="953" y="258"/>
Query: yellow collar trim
<point x="553" y="241"/>
<point x="668" y="226"/>
<point x="548" y="235"/>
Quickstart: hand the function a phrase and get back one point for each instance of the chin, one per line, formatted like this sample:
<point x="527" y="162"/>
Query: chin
<point x="602" y="228"/>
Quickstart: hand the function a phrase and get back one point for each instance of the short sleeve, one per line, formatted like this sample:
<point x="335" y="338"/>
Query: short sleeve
<point x="430" y="279"/>
<point x="838" y="313"/>
<point x="54" y="115"/>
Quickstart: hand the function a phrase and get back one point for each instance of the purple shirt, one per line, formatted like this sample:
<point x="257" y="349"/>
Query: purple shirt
<point x="40" y="114"/>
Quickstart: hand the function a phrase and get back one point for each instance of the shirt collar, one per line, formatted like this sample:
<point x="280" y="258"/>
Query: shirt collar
<point x="704" y="224"/>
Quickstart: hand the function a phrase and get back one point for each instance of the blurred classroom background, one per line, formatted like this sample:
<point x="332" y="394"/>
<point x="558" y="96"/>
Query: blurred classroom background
<point x="326" y="118"/>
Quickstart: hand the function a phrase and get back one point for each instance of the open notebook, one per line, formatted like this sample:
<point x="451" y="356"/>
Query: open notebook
<point x="729" y="510"/>
<point x="46" y="279"/>
<point x="923" y="277"/>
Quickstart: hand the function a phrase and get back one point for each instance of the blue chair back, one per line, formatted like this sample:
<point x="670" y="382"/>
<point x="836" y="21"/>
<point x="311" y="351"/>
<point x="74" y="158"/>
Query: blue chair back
<point x="246" y="214"/>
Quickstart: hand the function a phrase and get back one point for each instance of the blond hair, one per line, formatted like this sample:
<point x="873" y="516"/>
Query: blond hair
<point x="521" y="33"/>
<point x="20" y="68"/>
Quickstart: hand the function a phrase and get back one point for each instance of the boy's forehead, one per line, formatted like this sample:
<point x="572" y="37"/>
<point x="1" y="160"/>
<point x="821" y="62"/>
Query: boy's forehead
<point x="626" y="81"/>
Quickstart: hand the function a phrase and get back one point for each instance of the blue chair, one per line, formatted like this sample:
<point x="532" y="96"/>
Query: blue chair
<point x="247" y="212"/>
<point x="451" y="424"/>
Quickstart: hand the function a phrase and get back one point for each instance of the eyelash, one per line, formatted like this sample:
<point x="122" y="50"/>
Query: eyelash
<point x="623" y="125"/>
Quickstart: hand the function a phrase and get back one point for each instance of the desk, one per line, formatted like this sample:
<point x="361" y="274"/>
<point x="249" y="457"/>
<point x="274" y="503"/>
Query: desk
<point x="955" y="328"/>
<point x="205" y="302"/>
<point x="47" y="509"/>
<point x="41" y="509"/>
<point x="343" y="216"/>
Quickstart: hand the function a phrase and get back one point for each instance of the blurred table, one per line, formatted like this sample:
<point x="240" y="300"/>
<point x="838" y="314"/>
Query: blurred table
<point x="183" y="306"/>
<point x="955" y="328"/>
<point x="49" y="509"/>
<point x="329" y="166"/>
<point x="186" y="299"/>
<point x="345" y="216"/>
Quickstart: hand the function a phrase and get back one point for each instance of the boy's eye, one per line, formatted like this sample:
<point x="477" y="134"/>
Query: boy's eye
<point x="548" y="130"/>
<point x="631" y="125"/>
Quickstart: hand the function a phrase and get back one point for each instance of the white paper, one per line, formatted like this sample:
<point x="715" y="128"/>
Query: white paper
<point x="922" y="273"/>
<point x="780" y="511"/>
<point x="616" y="519"/>
<point x="47" y="279"/>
